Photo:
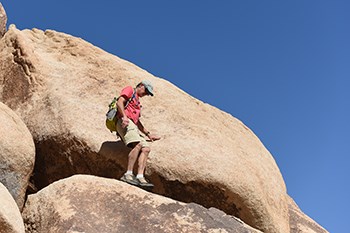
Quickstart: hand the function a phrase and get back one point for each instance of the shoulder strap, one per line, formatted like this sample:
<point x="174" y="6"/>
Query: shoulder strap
<point x="131" y="98"/>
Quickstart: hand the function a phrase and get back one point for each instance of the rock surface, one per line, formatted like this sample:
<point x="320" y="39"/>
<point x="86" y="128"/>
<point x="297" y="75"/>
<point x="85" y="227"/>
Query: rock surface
<point x="61" y="86"/>
<point x="3" y="20"/>
<point x="17" y="154"/>
<point x="300" y="222"/>
<point x="84" y="203"/>
<point x="10" y="217"/>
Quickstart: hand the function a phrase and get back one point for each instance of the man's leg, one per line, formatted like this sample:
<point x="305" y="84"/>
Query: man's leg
<point x="132" y="157"/>
<point x="142" y="166"/>
<point x="143" y="160"/>
<point x="134" y="153"/>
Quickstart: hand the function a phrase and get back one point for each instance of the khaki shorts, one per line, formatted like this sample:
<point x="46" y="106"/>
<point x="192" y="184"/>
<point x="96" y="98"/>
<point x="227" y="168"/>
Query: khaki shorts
<point x="131" y="134"/>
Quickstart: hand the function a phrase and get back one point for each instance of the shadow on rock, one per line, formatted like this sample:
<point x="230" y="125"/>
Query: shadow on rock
<point x="59" y="158"/>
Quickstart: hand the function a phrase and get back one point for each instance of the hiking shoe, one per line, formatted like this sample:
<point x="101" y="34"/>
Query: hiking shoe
<point x="130" y="179"/>
<point x="144" y="183"/>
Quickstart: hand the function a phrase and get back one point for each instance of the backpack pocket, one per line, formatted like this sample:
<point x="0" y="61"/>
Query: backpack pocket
<point x="111" y="114"/>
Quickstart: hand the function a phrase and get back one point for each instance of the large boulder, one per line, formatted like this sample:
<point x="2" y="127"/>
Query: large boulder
<point x="10" y="217"/>
<point x="3" y="20"/>
<point x="61" y="86"/>
<point x="17" y="154"/>
<point x="85" y="203"/>
<point x="300" y="222"/>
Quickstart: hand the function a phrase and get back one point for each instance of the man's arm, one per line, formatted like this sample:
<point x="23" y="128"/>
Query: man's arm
<point x="121" y="106"/>
<point x="152" y="137"/>
<point x="142" y="128"/>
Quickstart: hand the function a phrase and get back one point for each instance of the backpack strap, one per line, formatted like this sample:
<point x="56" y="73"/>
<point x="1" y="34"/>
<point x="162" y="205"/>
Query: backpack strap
<point x="131" y="98"/>
<point x="126" y="105"/>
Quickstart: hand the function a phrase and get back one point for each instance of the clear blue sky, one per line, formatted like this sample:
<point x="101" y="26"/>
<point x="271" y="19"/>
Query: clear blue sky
<point x="281" y="67"/>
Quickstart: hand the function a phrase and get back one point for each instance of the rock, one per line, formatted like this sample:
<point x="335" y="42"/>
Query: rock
<point x="61" y="86"/>
<point x="3" y="21"/>
<point x="17" y="154"/>
<point x="300" y="222"/>
<point x="85" y="203"/>
<point x="10" y="217"/>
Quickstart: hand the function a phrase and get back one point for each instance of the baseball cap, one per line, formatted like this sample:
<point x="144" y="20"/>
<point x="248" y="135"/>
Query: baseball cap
<point x="148" y="85"/>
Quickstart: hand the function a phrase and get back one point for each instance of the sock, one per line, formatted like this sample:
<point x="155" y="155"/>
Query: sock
<point x="139" y="176"/>
<point x="128" y="173"/>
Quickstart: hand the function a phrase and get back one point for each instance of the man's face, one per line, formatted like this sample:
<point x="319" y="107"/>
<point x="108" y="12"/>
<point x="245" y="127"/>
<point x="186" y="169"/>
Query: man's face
<point x="143" y="91"/>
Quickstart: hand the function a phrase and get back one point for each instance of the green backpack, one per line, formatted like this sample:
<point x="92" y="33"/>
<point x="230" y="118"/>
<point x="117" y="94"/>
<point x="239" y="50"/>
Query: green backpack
<point x="111" y="115"/>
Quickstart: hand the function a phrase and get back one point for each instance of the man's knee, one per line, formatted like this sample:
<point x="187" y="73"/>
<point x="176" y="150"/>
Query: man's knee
<point x="146" y="150"/>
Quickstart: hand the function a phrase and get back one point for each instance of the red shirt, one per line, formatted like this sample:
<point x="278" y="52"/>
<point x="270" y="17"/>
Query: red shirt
<point x="133" y="109"/>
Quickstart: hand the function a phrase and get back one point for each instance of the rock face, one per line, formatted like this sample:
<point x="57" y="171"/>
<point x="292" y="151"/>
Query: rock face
<point x="85" y="203"/>
<point x="299" y="222"/>
<point x="10" y="217"/>
<point x="61" y="85"/>
<point x="3" y="20"/>
<point x="17" y="154"/>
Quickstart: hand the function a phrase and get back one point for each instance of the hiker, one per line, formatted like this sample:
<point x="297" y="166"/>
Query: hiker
<point x="129" y="127"/>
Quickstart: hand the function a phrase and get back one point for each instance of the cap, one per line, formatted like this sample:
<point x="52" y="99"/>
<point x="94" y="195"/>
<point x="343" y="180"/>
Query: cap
<point x="148" y="85"/>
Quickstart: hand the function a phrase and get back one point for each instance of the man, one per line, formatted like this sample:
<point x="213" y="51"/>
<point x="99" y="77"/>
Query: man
<point x="129" y="127"/>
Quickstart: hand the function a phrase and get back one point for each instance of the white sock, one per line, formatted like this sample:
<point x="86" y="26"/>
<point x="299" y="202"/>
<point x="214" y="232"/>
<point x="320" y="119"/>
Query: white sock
<point x="139" y="176"/>
<point x="128" y="173"/>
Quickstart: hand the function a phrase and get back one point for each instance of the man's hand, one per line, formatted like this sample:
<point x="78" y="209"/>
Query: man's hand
<point x="125" y="122"/>
<point x="153" y="137"/>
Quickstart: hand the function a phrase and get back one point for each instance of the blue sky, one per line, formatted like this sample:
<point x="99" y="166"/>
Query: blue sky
<point x="281" y="67"/>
